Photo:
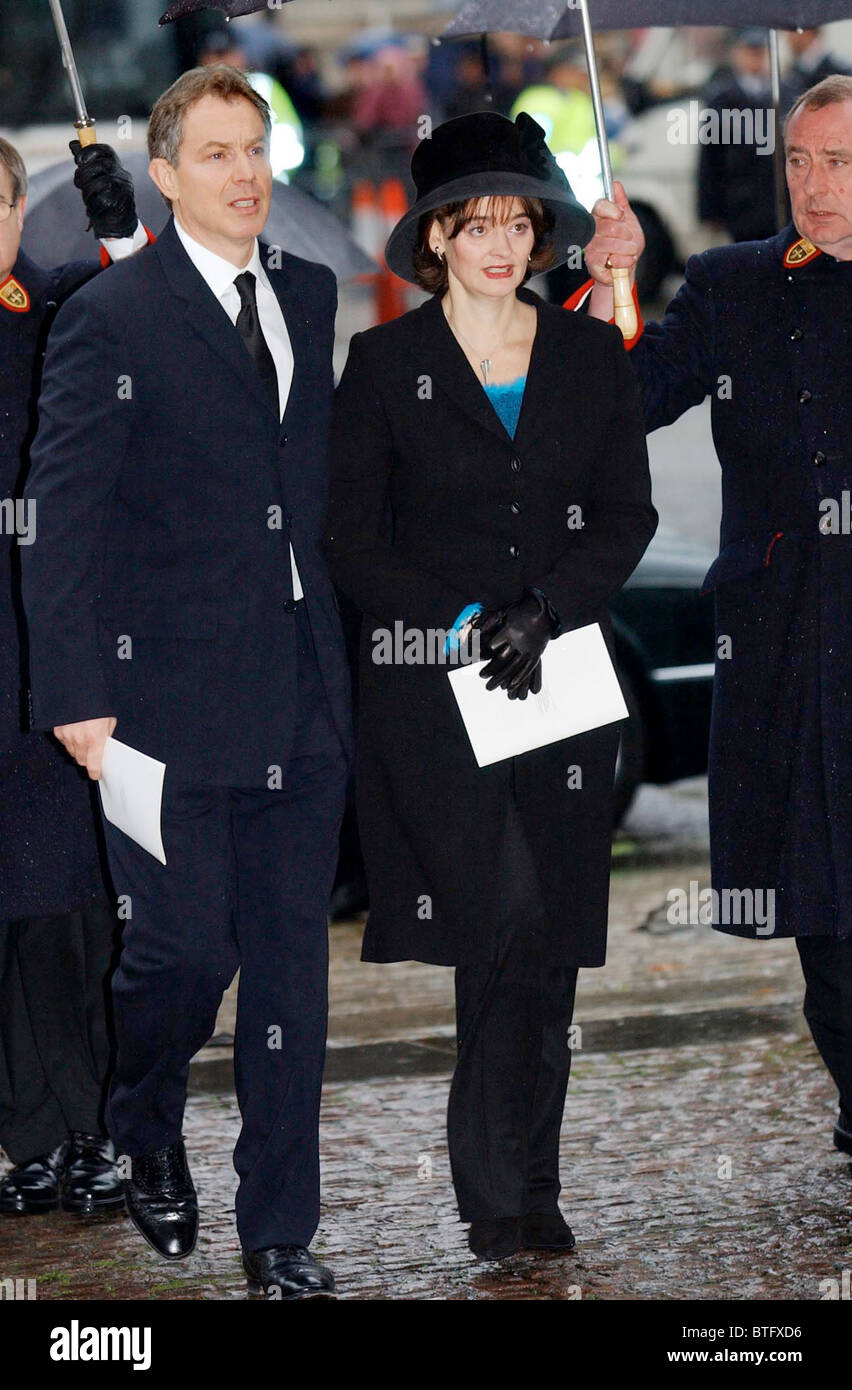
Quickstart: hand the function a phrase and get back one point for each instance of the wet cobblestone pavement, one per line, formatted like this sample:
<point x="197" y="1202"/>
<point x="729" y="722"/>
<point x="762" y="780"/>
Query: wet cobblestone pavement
<point x="696" y="1152"/>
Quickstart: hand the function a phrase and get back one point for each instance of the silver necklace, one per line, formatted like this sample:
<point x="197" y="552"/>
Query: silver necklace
<point x="485" y="362"/>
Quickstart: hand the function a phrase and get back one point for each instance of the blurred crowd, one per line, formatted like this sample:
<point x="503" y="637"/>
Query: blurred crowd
<point x="360" y="114"/>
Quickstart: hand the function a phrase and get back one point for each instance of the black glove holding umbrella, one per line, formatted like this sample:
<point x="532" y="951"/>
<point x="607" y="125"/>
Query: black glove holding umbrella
<point x="107" y="188"/>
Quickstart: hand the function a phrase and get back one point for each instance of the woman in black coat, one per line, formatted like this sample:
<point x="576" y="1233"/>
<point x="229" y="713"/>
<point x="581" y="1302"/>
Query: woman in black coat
<point x="487" y="449"/>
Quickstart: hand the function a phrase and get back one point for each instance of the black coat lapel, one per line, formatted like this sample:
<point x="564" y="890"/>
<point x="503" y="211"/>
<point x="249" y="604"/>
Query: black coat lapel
<point x="440" y="356"/>
<point x="298" y="328"/>
<point x="205" y="314"/>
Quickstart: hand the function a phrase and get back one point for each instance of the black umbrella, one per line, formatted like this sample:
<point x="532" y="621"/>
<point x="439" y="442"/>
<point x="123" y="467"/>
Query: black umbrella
<point x="232" y="9"/>
<point x="555" y="19"/>
<point x="55" y="225"/>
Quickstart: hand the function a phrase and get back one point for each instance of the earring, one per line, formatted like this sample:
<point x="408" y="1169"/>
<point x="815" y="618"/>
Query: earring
<point x="439" y="253"/>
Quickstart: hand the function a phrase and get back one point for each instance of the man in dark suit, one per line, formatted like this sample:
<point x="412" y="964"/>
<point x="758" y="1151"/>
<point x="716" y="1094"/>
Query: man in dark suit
<point x="736" y="173"/>
<point x="177" y="594"/>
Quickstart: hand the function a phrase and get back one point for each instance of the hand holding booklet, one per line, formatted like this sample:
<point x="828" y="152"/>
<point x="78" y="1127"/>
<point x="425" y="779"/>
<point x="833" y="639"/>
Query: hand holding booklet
<point x="131" y="789"/>
<point x="579" y="692"/>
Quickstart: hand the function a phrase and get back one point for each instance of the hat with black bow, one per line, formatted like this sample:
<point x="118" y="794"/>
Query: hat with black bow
<point x="487" y="155"/>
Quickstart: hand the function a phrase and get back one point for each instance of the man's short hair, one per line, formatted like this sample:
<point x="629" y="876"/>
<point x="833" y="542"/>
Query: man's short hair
<point x="11" y="160"/>
<point x="165" y="129"/>
<point x="831" y="92"/>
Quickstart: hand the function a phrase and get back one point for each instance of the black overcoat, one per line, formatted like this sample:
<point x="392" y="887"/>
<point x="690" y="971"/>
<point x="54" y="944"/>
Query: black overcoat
<point x="767" y="333"/>
<point x="48" y="857"/>
<point x="433" y="505"/>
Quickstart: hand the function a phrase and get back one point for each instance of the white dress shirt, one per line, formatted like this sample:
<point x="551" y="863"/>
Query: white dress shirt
<point x="220" y="276"/>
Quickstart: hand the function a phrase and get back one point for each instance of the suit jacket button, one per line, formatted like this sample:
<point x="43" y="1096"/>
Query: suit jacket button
<point x="284" y="439"/>
<point x="514" y="551"/>
<point x="820" y="458"/>
<point x="805" y="395"/>
<point x="515" y="508"/>
<point x="516" y="465"/>
<point x="289" y="605"/>
<point x="797" y="335"/>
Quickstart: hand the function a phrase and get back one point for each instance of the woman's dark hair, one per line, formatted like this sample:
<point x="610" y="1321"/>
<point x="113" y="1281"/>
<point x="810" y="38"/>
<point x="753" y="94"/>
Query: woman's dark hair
<point x="431" y="274"/>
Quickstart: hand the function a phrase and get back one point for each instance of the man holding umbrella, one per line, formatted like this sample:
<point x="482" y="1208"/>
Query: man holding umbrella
<point x="56" y="926"/>
<point x="764" y="329"/>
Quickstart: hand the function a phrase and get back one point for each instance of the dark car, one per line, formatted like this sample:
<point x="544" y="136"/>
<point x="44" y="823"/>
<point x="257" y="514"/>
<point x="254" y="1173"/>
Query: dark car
<point x="665" y="645"/>
<point x="665" y="641"/>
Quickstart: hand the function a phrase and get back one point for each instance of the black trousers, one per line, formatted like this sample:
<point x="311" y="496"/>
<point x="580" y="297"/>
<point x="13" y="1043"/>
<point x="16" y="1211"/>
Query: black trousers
<point x="513" y="1016"/>
<point x="827" y="966"/>
<point x="247" y="885"/>
<point x="55" y="1030"/>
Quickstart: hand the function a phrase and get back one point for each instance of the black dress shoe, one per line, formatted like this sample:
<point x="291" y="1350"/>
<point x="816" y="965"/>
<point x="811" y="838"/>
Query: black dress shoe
<point x="33" y="1187"/>
<point x="90" y="1181"/>
<point x="843" y="1133"/>
<point x="161" y="1201"/>
<point x="495" y="1238"/>
<point x="542" y="1230"/>
<point x="287" y="1272"/>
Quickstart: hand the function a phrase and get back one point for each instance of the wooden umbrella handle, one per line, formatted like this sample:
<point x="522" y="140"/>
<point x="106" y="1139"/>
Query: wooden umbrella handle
<point x="86" y="133"/>
<point x="625" y="307"/>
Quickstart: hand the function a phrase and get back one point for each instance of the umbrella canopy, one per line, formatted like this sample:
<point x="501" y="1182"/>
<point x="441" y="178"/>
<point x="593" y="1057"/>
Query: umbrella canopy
<point x="55" y="226"/>
<point x="555" y="19"/>
<point x="232" y="8"/>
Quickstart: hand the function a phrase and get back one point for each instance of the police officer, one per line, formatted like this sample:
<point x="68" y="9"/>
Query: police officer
<point x="56" y="925"/>
<point x="765" y="329"/>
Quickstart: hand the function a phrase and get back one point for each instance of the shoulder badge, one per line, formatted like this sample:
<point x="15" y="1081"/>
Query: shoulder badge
<point x="13" y="296"/>
<point x="800" y="253"/>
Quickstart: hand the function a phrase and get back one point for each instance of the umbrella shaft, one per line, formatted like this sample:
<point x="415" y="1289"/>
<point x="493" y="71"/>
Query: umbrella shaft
<point x="597" y="100"/>
<point x="69" y="64"/>
<point x="779" y="156"/>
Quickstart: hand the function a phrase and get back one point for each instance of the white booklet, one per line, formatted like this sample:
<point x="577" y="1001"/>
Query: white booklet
<point x="579" y="691"/>
<point x="131" y="788"/>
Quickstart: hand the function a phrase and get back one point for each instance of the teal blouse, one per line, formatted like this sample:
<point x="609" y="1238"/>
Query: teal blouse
<point x="507" y="399"/>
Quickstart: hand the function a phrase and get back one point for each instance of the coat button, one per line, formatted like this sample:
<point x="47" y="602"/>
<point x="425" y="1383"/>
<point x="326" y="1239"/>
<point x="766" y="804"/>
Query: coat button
<point x="515" y="508"/>
<point x="284" y="439"/>
<point x="805" y="395"/>
<point x="516" y="465"/>
<point x="289" y="605"/>
<point x="820" y="458"/>
<point x="797" y="335"/>
<point x="514" y="551"/>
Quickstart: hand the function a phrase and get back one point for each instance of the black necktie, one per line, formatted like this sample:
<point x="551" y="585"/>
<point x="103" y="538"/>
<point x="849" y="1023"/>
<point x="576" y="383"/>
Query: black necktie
<point x="249" y="329"/>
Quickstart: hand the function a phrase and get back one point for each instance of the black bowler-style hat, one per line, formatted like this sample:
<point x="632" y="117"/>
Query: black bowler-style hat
<point x="487" y="155"/>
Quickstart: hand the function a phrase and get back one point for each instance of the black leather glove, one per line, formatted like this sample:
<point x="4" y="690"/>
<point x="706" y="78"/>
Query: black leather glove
<point x="107" y="190"/>
<point x="514" y="638"/>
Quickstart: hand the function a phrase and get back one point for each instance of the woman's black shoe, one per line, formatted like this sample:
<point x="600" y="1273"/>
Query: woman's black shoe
<point x="161" y="1201"/>
<point x="30" y="1188"/>
<point x="546" y="1231"/>
<point x="90" y="1181"/>
<point x="287" y="1272"/>
<point x="496" y="1238"/>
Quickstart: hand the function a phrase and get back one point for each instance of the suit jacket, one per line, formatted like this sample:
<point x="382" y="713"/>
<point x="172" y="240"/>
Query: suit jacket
<point x="48" y="852"/>
<point x="167" y="489"/>
<point x="434" y="505"/>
